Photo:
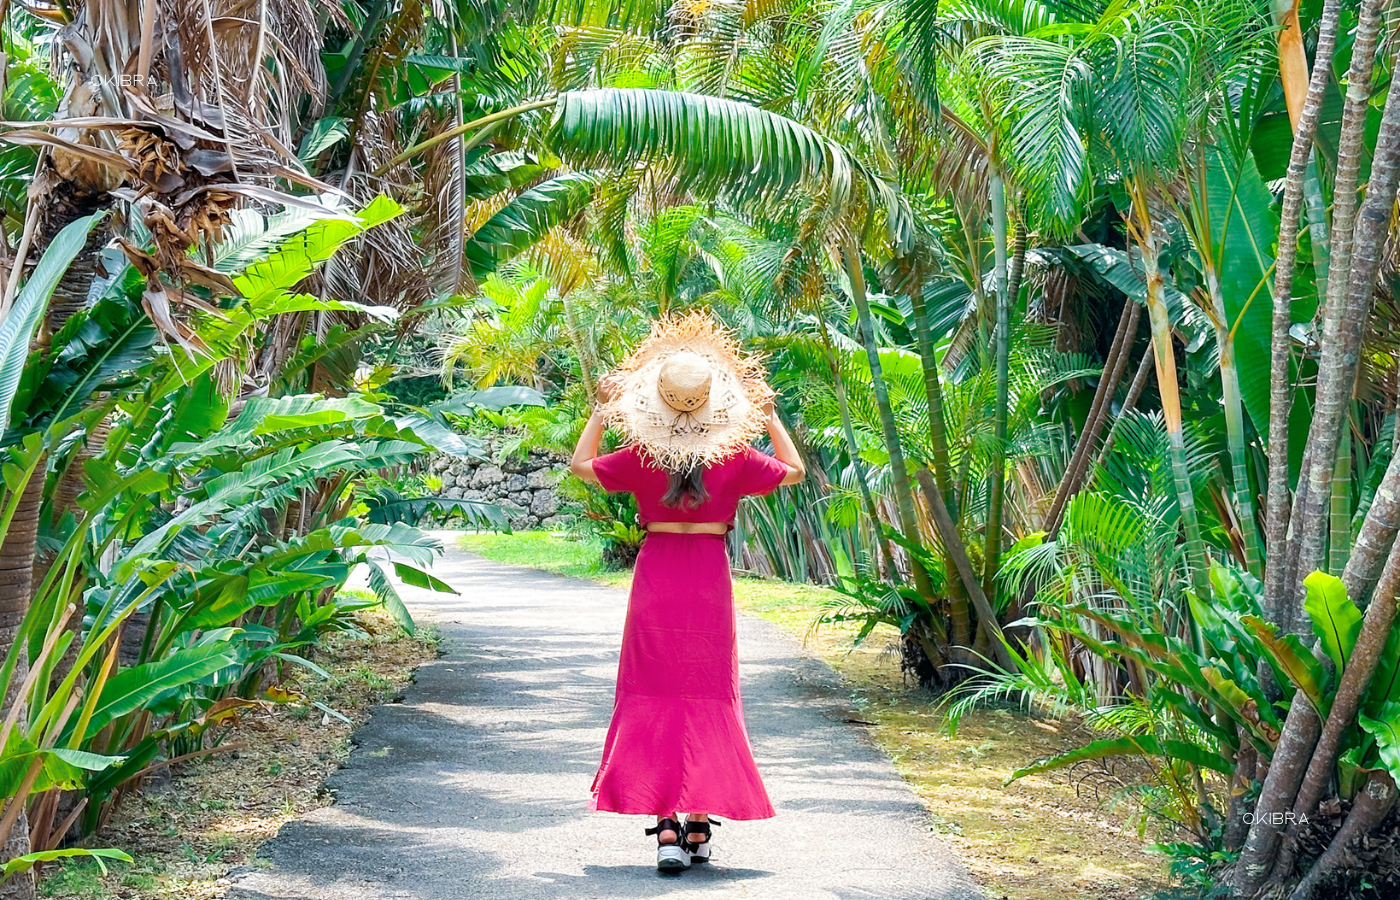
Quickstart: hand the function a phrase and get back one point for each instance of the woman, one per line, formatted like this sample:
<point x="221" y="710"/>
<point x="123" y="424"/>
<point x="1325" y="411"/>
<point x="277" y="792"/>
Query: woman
<point x="689" y="404"/>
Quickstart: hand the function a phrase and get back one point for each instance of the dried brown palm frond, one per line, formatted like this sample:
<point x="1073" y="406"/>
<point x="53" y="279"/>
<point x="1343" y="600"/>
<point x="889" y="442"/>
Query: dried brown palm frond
<point x="197" y="123"/>
<point x="386" y="268"/>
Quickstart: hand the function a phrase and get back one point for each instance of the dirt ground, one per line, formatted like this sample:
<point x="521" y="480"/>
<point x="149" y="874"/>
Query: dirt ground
<point x="212" y="813"/>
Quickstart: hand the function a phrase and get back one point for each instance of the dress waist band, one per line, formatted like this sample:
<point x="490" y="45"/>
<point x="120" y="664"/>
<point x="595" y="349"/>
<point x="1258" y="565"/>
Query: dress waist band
<point x="715" y="528"/>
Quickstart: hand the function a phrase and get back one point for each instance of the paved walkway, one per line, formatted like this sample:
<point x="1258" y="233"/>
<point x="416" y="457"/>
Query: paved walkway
<point x="476" y="786"/>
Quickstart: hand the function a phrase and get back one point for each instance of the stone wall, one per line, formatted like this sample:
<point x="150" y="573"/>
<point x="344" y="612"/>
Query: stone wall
<point x="526" y="488"/>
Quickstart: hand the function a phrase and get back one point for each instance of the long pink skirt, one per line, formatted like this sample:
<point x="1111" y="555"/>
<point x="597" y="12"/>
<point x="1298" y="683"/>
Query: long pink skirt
<point x="677" y="742"/>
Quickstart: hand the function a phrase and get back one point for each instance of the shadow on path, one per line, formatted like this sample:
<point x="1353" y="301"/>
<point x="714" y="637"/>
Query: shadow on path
<point x="476" y="785"/>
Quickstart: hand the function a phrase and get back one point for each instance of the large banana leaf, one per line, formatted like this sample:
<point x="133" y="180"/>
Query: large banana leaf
<point x="29" y="860"/>
<point x="17" y="329"/>
<point x="496" y="398"/>
<point x="131" y="689"/>
<point x="720" y="147"/>
<point x="60" y="767"/>
<point x="1243" y="230"/>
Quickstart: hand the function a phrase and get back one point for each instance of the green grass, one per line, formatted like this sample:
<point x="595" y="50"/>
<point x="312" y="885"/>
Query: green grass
<point x="546" y="550"/>
<point x="792" y="606"/>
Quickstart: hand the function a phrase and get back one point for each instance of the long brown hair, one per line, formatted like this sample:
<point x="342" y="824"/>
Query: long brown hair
<point x="685" y="489"/>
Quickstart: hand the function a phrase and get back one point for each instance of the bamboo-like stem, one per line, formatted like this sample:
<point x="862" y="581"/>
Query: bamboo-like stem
<point x="1135" y="389"/>
<point x="857" y="464"/>
<point x="1233" y="405"/>
<point x="1339" y="530"/>
<point x="462" y="129"/>
<point x="1001" y="343"/>
<point x="1164" y="358"/>
<point x="899" y="472"/>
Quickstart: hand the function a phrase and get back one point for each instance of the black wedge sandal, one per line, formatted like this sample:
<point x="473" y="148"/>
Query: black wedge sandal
<point x="699" y="850"/>
<point x="670" y="857"/>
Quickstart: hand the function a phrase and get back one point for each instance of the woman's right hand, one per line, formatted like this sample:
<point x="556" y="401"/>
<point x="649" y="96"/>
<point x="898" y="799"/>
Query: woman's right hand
<point x="607" y="385"/>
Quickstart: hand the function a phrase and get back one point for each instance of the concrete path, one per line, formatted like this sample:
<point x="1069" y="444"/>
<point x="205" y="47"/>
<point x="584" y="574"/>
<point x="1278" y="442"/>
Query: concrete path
<point x="475" y="787"/>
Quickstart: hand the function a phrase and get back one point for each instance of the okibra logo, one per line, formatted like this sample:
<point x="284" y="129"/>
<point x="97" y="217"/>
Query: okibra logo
<point x="126" y="79"/>
<point x="1276" y="818"/>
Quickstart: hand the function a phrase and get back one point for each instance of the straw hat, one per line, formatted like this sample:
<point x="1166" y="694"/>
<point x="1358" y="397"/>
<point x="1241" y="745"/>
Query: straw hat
<point x="687" y="395"/>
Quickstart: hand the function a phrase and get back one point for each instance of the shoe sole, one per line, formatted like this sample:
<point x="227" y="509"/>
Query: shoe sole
<point x="675" y="861"/>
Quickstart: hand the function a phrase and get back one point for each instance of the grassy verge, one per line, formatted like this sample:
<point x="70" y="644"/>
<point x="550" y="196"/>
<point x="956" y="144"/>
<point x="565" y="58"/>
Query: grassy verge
<point x="1041" y="838"/>
<point x="213" y="813"/>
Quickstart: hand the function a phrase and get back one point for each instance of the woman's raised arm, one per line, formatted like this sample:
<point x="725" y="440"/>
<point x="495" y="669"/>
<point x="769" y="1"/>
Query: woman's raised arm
<point x="587" y="449"/>
<point x="784" y="450"/>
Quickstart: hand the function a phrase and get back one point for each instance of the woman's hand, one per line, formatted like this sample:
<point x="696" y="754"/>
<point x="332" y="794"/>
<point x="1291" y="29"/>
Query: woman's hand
<point x="607" y="386"/>
<point x="784" y="450"/>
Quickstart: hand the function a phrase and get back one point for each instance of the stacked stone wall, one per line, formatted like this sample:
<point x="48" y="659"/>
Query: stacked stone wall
<point x="526" y="486"/>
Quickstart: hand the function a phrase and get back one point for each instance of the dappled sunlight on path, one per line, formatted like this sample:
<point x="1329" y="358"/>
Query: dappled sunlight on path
<point x="476" y="785"/>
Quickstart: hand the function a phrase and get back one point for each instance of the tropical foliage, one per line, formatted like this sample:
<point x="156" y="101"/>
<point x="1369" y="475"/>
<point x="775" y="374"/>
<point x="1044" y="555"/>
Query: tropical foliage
<point x="1098" y="381"/>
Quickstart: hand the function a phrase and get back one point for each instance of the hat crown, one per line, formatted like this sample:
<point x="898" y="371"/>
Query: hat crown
<point x="684" y="381"/>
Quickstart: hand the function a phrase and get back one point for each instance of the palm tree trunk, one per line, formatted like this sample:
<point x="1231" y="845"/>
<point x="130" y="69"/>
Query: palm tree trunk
<point x="1129" y="402"/>
<point x="1164" y="357"/>
<point x="1277" y="606"/>
<point x="989" y="627"/>
<point x="899" y="472"/>
<point x="1301" y="727"/>
<point x="1112" y="374"/>
<point x="1001" y="342"/>
<point x="16" y="587"/>
<point x="1360" y="667"/>
<point x="1375" y="537"/>
<point x="1293" y="74"/>
<point x="1350" y="293"/>
<point x="959" y="614"/>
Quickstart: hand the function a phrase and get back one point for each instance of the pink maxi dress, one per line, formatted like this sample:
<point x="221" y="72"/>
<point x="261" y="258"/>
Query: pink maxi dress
<point x="677" y="742"/>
